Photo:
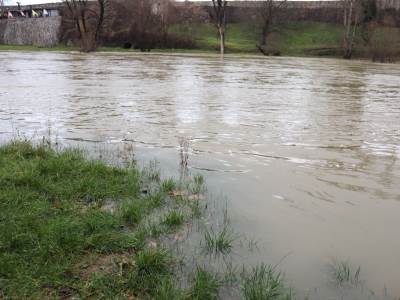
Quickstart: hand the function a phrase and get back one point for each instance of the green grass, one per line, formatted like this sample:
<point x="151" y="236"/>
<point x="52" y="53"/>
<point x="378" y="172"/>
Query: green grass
<point x="152" y="266"/>
<point x="71" y="227"/>
<point x="174" y="219"/>
<point x="36" y="48"/>
<point x="220" y="242"/>
<point x="56" y="226"/>
<point x="264" y="283"/>
<point x="205" y="285"/>
<point x="51" y="216"/>
<point x="306" y="38"/>
<point x="299" y="38"/>
<point x="290" y="39"/>
<point x="343" y="274"/>
<point x="168" y="185"/>
<point x="240" y="38"/>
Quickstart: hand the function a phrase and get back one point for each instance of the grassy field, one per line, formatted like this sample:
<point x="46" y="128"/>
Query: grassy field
<point x="291" y="39"/>
<point x="73" y="228"/>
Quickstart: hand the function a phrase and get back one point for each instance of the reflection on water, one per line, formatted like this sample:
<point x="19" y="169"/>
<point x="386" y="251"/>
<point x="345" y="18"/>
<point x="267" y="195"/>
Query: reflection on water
<point x="306" y="150"/>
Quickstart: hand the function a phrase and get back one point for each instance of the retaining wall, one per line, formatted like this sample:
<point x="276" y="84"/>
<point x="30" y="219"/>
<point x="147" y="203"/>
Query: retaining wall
<point x="41" y="32"/>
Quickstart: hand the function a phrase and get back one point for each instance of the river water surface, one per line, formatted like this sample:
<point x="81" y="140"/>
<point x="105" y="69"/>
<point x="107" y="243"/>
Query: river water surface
<point x="305" y="150"/>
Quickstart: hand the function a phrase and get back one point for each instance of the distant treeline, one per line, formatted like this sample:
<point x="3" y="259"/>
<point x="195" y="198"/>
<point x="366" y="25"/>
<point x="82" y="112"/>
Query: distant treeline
<point x="145" y="24"/>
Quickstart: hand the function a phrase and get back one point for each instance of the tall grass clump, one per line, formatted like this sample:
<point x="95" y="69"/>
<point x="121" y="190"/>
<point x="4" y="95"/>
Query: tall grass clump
<point x="152" y="266"/>
<point x="220" y="242"/>
<point x="263" y="283"/>
<point x="197" y="185"/>
<point x="205" y="285"/>
<point x="168" y="185"/>
<point x="167" y="290"/>
<point x="174" y="219"/>
<point x="133" y="211"/>
<point x="343" y="274"/>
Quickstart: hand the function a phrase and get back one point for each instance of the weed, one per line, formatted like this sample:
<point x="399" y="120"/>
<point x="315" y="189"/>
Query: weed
<point x="197" y="208"/>
<point x="151" y="173"/>
<point x="205" y="285"/>
<point x="151" y="267"/>
<point x="220" y="242"/>
<point x="167" y="291"/>
<point x="263" y="283"/>
<point x="197" y="186"/>
<point x="174" y="219"/>
<point x="168" y="185"/>
<point x="133" y="211"/>
<point x="343" y="274"/>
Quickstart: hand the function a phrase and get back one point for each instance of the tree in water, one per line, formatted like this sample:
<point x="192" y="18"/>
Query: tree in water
<point x="219" y="18"/>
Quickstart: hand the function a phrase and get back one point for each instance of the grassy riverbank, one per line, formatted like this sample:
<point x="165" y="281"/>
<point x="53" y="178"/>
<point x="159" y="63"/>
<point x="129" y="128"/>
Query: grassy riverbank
<point x="291" y="39"/>
<point x="73" y="227"/>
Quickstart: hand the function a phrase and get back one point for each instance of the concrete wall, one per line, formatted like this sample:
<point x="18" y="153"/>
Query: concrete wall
<point x="41" y="32"/>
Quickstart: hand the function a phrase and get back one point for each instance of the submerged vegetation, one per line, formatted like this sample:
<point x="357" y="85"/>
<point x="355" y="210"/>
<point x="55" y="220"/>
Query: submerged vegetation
<point x="263" y="282"/>
<point x="344" y="275"/>
<point x="74" y="227"/>
<point x="220" y="242"/>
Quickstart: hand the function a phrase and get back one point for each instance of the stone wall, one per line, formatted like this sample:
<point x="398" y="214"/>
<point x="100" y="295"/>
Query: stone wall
<point x="41" y="32"/>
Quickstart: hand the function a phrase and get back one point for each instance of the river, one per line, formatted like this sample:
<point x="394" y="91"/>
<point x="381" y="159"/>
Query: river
<point x="306" y="151"/>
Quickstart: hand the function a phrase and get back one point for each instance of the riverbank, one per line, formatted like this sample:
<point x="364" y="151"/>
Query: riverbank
<point x="302" y="39"/>
<point x="73" y="227"/>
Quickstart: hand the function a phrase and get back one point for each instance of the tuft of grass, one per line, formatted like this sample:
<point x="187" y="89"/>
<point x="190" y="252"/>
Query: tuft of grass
<point x="197" y="186"/>
<point x="263" y="283"/>
<point x="174" y="219"/>
<point x="197" y="209"/>
<point x="168" y="185"/>
<point x="205" y="285"/>
<point x="105" y="286"/>
<point x="133" y="211"/>
<point x="153" y="261"/>
<point x="152" y="266"/>
<point x="167" y="290"/>
<point x="220" y="242"/>
<point x="343" y="274"/>
<point x="151" y="173"/>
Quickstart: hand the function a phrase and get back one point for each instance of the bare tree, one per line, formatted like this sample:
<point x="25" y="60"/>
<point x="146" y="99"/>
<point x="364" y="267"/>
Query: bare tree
<point x="271" y="12"/>
<point x="2" y="3"/>
<point x="219" y="18"/>
<point x="351" y="21"/>
<point x="368" y="20"/>
<point x="89" y="18"/>
<point x="144" y="25"/>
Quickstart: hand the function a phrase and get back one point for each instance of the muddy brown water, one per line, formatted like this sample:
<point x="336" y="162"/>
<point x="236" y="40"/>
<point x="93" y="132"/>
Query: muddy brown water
<point x="305" y="150"/>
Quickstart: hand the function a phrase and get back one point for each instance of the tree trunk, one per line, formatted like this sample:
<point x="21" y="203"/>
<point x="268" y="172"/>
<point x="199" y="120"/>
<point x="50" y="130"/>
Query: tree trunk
<point x="265" y="32"/>
<point x="88" y="40"/>
<point x="350" y="17"/>
<point x="221" y="39"/>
